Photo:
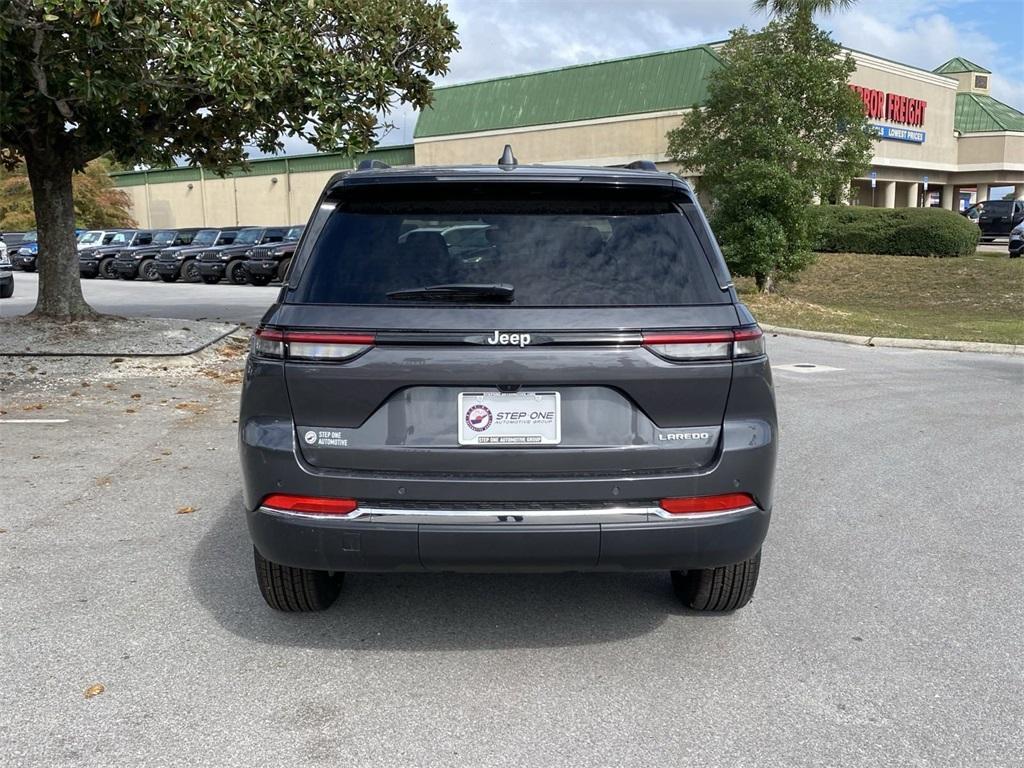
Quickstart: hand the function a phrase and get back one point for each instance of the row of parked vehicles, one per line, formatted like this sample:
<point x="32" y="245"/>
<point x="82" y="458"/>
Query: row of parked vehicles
<point x="254" y="255"/>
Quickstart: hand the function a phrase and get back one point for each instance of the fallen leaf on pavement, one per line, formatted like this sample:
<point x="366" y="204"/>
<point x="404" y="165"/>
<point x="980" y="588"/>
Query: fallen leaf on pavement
<point x="186" y="510"/>
<point x="94" y="690"/>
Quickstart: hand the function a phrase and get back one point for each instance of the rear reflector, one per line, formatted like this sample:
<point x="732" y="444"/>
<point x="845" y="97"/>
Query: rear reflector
<point x="706" y="345"/>
<point x="310" y="345"/>
<point x="725" y="502"/>
<point x="309" y="504"/>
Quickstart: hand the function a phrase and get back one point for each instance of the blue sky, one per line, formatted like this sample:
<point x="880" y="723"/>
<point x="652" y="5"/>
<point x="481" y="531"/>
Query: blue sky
<point x="501" y="37"/>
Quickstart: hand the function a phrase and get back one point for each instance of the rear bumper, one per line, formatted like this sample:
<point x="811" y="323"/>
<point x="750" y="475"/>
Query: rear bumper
<point x="508" y="542"/>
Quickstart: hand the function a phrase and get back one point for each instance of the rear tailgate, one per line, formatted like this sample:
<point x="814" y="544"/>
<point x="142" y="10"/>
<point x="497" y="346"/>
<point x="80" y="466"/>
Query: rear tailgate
<point x="396" y="407"/>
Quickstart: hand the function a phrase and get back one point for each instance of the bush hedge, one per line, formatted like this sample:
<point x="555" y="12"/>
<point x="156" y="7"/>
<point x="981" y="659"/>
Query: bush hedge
<point x="896" y="231"/>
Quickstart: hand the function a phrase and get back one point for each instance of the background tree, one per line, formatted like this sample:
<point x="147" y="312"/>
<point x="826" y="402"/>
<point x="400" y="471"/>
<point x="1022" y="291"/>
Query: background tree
<point x="780" y="126"/>
<point x="153" y="80"/>
<point x="98" y="203"/>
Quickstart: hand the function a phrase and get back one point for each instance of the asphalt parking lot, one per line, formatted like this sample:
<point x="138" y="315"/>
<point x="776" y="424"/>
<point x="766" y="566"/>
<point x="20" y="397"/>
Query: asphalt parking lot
<point x="138" y="298"/>
<point x="885" y="631"/>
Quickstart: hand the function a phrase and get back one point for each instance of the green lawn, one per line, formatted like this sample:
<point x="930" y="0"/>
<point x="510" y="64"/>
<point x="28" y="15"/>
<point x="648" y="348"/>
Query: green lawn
<point x="974" y="298"/>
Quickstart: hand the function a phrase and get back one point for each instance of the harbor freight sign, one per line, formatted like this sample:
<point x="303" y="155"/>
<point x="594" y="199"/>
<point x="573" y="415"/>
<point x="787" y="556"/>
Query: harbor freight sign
<point x="892" y="133"/>
<point x="893" y="107"/>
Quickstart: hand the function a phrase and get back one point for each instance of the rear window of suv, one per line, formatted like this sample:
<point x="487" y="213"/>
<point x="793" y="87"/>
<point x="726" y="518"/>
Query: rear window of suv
<point x="553" y="252"/>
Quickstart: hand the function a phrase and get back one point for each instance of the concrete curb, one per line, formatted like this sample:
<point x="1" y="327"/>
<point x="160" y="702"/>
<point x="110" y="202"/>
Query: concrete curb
<point x="131" y="355"/>
<point x="940" y="345"/>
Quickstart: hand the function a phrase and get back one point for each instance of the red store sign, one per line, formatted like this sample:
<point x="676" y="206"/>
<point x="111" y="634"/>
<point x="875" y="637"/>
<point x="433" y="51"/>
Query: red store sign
<point x="891" y="106"/>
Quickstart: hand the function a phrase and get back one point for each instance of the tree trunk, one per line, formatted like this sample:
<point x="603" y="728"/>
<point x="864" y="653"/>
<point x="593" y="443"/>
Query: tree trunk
<point x="60" y="287"/>
<point x="765" y="283"/>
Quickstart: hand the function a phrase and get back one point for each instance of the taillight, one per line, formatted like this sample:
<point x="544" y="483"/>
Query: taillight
<point x="725" y="502"/>
<point x="314" y="505"/>
<point x="310" y="345"/>
<point x="706" y="345"/>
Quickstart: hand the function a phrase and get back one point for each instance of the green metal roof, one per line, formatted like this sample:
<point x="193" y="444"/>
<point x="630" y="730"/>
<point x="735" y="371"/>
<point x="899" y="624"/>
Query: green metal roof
<point x="652" y="82"/>
<point x="401" y="154"/>
<point x="976" y="112"/>
<point x="959" y="64"/>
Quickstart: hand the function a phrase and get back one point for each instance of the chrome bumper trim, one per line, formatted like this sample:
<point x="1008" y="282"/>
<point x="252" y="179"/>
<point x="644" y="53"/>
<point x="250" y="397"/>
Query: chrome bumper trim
<point x="370" y="514"/>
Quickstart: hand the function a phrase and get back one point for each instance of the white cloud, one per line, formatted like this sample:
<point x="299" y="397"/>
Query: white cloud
<point x="506" y="37"/>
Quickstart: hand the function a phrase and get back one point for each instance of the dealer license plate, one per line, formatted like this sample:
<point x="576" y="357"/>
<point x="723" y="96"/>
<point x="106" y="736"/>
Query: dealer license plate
<point x="509" y="418"/>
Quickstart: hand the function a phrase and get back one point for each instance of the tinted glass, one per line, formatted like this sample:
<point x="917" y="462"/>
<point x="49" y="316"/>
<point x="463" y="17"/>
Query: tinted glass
<point x="90" y="237"/>
<point x="996" y="208"/>
<point x="205" y="237"/>
<point x="294" y="233"/>
<point x="30" y="236"/>
<point x="554" y="252"/>
<point x="248" y="236"/>
<point x="164" y="237"/>
<point x="120" y="238"/>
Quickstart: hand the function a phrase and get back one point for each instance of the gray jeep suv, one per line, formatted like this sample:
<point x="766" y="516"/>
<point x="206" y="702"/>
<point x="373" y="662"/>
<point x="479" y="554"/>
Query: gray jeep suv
<point x="581" y="391"/>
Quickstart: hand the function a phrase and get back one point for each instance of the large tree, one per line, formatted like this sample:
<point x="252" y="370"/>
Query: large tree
<point x="780" y="127"/>
<point x="152" y="81"/>
<point x="98" y="203"/>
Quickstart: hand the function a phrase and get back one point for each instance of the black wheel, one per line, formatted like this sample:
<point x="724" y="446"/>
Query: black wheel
<point x="259" y="279"/>
<point x="28" y="267"/>
<point x="190" y="272"/>
<point x="282" y="269"/>
<point x="147" y="270"/>
<point x="210" y="279"/>
<point x="6" y="291"/>
<point x="295" y="589"/>
<point x="106" y="268"/>
<point x="718" y="589"/>
<point x="168" y="278"/>
<point x="236" y="273"/>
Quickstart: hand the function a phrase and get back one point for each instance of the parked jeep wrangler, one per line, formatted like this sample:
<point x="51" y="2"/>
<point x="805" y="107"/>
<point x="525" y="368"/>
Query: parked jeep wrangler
<point x="271" y="262"/>
<point x="141" y="260"/>
<point x="172" y="263"/>
<point x="229" y="262"/>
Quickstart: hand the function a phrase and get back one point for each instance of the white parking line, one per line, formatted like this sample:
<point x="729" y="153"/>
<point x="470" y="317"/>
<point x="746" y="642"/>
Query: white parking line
<point x="33" y="421"/>
<point x="805" y="368"/>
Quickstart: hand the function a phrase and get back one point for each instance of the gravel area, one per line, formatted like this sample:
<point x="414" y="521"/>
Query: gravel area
<point x="109" y="335"/>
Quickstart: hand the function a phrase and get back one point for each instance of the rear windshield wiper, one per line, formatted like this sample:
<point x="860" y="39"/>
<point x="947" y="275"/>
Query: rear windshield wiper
<point x="456" y="292"/>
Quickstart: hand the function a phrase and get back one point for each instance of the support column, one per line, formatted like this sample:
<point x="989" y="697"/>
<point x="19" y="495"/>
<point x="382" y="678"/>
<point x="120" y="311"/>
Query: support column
<point x="912" y="192"/>
<point x="947" y="196"/>
<point x="982" y="193"/>
<point x="1018" y="191"/>
<point x="889" y="194"/>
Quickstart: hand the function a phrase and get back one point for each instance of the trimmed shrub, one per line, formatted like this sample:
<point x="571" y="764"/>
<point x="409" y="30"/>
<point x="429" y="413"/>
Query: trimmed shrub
<point x="896" y="231"/>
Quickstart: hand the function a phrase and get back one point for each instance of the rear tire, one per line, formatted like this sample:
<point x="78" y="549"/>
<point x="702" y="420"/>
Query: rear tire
<point x="27" y="268"/>
<point x="190" y="272"/>
<point x="295" y="590"/>
<point x="210" y="279"/>
<point x="6" y="291"/>
<point x="282" y="269"/>
<point x="259" y="279"/>
<point x="725" y="588"/>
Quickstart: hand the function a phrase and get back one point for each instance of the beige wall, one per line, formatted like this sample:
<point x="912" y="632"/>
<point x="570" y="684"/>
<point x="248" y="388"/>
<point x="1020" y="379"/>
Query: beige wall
<point x="1005" y="148"/>
<point x="613" y="141"/>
